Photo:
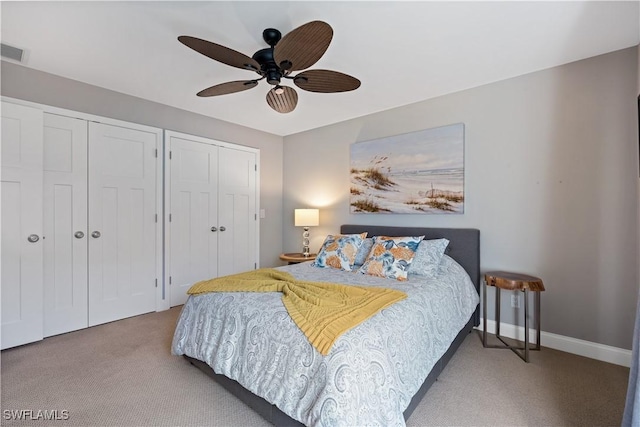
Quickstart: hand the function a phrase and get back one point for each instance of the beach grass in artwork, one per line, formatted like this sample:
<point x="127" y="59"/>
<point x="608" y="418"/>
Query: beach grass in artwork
<point x="419" y="172"/>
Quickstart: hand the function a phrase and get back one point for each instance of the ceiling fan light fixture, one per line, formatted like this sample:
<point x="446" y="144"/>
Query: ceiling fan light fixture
<point x="284" y="102"/>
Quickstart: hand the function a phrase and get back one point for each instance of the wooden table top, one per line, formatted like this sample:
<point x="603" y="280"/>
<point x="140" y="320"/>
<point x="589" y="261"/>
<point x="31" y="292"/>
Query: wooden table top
<point x="514" y="281"/>
<point x="297" y="256"/>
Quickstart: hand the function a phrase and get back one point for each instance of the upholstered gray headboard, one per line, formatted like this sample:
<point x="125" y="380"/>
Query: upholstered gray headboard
<point x="464" y="245"/>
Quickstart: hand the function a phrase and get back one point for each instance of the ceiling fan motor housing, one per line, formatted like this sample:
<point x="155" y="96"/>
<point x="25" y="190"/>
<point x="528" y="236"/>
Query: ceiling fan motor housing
<point x="268" y="67"/>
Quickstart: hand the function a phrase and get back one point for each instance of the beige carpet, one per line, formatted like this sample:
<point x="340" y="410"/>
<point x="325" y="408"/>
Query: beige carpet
<point x="122" y="374"/>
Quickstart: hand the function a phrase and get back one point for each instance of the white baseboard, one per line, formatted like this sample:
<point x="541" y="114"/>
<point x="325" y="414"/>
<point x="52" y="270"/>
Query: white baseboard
<point x="604" y="353"/>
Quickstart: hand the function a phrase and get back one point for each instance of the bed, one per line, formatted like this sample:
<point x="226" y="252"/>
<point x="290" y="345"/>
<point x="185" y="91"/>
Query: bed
<point x="374" y="374"/>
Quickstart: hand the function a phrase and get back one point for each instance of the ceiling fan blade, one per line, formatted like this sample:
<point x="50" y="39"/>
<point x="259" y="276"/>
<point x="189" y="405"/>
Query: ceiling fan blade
<point x="303" y="46"/>
<point x="229" y="87"/>
<point x="285" y="102"/>
<point x="220" y="53"/>
<point x="326" y="81"/>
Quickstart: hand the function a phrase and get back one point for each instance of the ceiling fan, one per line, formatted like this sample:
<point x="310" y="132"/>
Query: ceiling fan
<point x="297" y="50"/>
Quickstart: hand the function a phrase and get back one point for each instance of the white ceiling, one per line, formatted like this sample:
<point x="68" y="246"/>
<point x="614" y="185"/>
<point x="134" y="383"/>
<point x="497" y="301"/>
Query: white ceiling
<point x="403" y="52"/>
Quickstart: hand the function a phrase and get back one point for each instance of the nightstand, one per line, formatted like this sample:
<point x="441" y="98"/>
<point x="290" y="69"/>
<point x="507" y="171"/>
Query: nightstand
<point x="297" y="257"/>
<point x="513" y="282"/>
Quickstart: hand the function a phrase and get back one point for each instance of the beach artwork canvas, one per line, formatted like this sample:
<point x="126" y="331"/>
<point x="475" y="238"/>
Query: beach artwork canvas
<point x="420" y="172"/>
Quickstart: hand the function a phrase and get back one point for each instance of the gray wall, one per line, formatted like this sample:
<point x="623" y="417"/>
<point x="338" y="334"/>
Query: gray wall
<point x="36" y="86"/>
<point x="551" y="177"/>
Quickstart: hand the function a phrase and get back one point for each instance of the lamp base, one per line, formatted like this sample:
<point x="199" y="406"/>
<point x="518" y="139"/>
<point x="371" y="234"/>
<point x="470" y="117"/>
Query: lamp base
<point x="305" y="242"/>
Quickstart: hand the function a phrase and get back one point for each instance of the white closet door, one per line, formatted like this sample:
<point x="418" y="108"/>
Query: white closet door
<point x="21" y="222"/>
<point x="193" y="207"/>
<point x="65" y="224"/>
<point x="237" y="211"/>
<point x="122" y="228"/>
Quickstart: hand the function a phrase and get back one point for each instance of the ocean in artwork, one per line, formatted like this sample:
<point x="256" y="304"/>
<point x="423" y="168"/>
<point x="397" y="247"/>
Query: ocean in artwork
<point x="419" y="172"/>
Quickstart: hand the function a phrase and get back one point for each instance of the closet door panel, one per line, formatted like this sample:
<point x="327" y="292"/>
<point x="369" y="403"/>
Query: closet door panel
<point x="237" y="211"/>
<point x="194" y="224"/>
<point x="122" y="228"/>
<point x="65" y="224"/>
<point x="21" y="220"/>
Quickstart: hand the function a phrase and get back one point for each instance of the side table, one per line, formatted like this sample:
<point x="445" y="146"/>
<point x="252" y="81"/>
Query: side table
<point x="297" y="257"/>
<point x="514" y="282"/>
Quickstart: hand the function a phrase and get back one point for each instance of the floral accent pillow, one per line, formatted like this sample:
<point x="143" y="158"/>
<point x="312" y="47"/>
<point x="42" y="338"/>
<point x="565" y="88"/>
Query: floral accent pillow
<point x="339" y="251"/>
<point x="391" y="257"/>
<point x="428" y="257"/>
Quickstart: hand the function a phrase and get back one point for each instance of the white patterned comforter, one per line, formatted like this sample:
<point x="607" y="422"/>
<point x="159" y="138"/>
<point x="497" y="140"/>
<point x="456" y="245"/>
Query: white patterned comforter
<point x="370" y="374"/>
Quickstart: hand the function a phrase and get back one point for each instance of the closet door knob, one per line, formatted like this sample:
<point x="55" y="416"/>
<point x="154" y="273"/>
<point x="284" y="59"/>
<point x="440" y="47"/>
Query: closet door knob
<point x="214" y="229"/>
<point x="78" y="234"/>
<point x="95" y="234"/>
<point x="33" y="238"/>
<point x="223" y="228"/>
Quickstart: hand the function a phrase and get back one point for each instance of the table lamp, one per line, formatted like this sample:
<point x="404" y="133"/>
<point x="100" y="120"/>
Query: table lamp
<point x="306" y="218"/>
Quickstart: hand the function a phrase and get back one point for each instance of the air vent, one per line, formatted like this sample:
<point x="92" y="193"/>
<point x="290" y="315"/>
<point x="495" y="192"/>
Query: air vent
<point x="11" y="52"/>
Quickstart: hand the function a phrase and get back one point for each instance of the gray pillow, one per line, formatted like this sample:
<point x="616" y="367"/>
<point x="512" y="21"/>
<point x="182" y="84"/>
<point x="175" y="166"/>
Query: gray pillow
<point x="363" y="251"/>
<point x="428" y="257"/>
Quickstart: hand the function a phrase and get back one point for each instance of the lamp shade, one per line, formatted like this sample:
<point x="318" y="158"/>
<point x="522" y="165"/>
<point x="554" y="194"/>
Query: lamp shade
<point x="307" y="217"/>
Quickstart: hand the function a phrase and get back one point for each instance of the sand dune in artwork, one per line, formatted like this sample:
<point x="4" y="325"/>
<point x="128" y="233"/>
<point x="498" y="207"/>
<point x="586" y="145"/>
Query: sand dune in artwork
<point x="376" y="190"/>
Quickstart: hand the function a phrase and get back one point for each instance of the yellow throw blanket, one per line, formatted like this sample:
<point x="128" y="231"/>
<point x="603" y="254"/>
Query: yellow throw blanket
<point x="323" y="311"/>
